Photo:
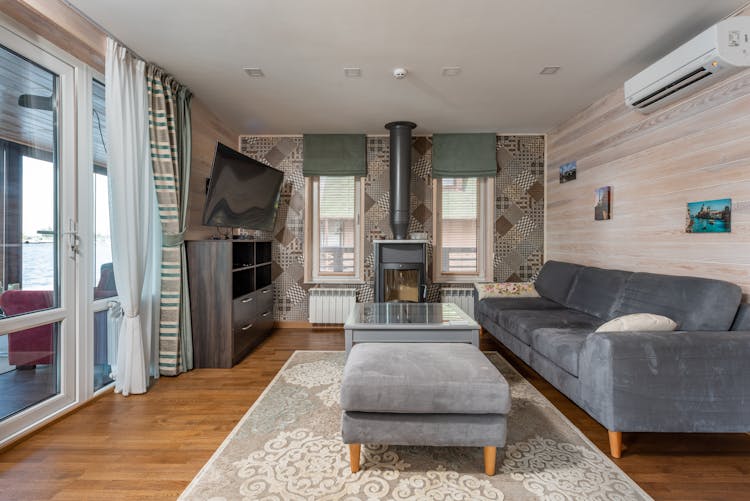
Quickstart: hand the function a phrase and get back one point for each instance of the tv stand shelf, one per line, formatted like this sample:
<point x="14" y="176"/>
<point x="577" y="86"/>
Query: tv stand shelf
<point x="231" y="296"/>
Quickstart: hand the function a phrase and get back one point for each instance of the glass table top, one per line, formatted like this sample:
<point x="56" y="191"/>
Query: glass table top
<point x="409" y="315"/>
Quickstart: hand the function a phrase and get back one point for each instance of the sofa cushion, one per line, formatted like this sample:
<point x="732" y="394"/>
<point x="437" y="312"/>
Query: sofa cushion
<point x="742" y="319"/>
<point x="597" y="291"/>
<point x="428" y="378"/>
<point x="561" y="379"/>
<point x="555" y="280"/>
<point x="696" y="304"/>
<point x="560" y="346"/>
<point x="490" y="307"/>
<point x="521" y="323"/>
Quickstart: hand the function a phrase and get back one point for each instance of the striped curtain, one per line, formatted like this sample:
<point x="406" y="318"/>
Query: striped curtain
<point x="170" y="138"/>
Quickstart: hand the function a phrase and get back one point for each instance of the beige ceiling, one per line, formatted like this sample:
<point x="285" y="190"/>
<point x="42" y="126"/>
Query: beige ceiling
<point x="501" y="45"/>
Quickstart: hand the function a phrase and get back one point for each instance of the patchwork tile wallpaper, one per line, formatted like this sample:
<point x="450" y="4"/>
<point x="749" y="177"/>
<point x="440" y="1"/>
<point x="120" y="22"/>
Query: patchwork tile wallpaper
<point x="519" y="211"/>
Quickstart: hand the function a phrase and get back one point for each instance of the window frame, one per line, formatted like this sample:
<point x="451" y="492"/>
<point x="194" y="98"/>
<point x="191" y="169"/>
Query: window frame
<point x="485" y="243"/>
<point x="312" y="236"/>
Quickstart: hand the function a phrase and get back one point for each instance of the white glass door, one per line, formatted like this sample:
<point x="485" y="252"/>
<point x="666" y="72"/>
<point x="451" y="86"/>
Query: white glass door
<point x="104" y="305"/>
<point x="37" y="235"/>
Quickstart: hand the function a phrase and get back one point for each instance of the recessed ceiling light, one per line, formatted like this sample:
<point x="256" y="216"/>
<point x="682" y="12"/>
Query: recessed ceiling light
<point x="255" y="72"/>
<point x="549" y="70"/>
<point x="352" y="72"/>
<point x="451" y="71"/>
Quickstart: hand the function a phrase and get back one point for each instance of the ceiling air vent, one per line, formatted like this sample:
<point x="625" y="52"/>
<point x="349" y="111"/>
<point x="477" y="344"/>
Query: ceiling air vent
<point x="255" y="72"/>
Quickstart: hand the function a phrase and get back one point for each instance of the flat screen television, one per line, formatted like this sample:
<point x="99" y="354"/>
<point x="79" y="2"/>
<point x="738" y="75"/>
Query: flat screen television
<point x="242" y="192"/>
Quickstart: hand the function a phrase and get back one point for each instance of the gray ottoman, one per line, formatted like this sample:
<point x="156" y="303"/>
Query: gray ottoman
<point x="423" y="394"/>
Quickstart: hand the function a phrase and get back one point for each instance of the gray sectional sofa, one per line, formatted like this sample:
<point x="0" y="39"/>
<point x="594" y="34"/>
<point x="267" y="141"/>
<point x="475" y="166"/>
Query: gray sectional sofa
<point x="695" y="379"/>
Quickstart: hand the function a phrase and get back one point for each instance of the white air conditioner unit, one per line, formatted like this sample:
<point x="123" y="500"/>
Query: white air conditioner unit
<point x="718" y="52"/>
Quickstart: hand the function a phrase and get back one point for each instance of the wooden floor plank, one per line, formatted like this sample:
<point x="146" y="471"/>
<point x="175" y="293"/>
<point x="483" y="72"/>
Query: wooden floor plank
<point x="150" y="446"/>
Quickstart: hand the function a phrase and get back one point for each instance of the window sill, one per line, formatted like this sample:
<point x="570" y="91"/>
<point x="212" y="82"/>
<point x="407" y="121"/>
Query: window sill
<point x="459" y="280"/>
<point x="342" y="281"/>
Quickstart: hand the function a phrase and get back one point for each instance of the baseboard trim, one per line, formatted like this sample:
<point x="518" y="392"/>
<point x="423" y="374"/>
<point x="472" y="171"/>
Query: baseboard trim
<point x="302" y="324"/>
<point x="292" y="324"/>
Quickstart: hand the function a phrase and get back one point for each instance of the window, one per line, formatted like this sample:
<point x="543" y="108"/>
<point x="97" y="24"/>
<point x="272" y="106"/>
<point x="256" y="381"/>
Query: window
<point x="333" y="235"/>
<point x="463" y="229"/>
<point x="105" y="337"/>
<point x="104" y="281"/>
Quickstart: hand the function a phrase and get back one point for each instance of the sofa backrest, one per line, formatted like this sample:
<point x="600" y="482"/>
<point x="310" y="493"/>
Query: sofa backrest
<point x="597" y="291"/>
<point x="696" y="304"/>
<point x="555" y="280"/>
<point x="742" y="319"/>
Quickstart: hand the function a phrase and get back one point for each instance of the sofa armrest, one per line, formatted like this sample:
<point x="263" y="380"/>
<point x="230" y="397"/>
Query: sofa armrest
<point x="667" y="381"/>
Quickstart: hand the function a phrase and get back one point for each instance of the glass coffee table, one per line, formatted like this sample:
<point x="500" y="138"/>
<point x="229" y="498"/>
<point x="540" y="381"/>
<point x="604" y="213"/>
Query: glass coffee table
<point x="409" y="323"/>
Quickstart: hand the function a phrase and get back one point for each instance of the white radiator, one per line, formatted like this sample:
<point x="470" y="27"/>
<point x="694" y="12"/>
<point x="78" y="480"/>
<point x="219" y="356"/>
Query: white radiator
<point x="331" y="306"/>
<point x="463" y="298"/>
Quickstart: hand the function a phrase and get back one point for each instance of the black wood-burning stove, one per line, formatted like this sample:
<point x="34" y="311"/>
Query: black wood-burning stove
<point x="400" y="271"/>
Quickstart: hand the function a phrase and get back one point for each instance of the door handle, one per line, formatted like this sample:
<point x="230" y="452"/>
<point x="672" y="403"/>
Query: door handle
<point x="247" y="326"/>
<point x="74" y="240"/>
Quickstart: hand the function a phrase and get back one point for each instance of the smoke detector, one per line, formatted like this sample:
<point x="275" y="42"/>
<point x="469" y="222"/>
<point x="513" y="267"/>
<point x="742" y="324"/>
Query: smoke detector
<point x="399" y="73"/>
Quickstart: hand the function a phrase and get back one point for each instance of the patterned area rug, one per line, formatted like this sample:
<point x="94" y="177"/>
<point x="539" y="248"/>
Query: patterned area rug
<point x="288" y="447"/>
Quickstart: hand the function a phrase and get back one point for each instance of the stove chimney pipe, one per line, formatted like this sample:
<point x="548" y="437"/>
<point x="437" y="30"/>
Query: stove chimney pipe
<point x="400" y="170"/>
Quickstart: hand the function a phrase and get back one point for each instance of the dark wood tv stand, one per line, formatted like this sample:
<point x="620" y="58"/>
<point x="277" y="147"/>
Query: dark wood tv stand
<point x="231" y="298"/>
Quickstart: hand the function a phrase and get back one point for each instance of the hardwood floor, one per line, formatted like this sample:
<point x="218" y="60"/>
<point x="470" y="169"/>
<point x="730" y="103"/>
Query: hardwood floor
<point x="150" y="446"/>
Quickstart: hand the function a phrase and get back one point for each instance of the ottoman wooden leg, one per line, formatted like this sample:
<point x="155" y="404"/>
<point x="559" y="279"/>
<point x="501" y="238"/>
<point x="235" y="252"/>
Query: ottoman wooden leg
<point x="490" y="453"/>
<point x="354" y="450"/>
<point x="615" y="444"/>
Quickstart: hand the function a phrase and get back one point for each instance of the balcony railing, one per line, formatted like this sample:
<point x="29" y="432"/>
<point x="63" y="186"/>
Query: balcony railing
<point x="337" y="259"/>
<point x="459" y="259"/>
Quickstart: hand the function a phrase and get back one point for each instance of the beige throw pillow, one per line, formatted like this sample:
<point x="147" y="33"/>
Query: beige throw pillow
<point x="638" y="322"/>
<point x="506" y="289"/>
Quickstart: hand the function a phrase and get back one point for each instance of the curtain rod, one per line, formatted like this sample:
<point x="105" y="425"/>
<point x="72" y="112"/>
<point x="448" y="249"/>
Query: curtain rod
<point x="102" y="29"/>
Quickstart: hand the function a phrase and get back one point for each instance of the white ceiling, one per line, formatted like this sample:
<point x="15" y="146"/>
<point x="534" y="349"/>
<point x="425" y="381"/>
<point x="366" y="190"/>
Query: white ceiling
<point x="303" y="46"/>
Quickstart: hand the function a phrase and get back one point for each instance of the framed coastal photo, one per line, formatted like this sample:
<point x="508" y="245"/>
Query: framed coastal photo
<point x="709" y="216"/>
<point x="568" y="172"/>
<point x="603" y="204"/>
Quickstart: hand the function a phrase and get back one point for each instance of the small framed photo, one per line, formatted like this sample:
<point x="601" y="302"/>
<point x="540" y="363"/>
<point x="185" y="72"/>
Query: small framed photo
<point x="568" y="172"/>
<point x="709" y="216"/>
<point x="603" y="204"/>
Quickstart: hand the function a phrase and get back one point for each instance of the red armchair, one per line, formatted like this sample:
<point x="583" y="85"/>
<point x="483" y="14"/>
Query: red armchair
<point x="31" y="346"/>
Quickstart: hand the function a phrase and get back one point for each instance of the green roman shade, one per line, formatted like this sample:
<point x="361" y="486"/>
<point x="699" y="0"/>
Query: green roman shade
<point x="464" y="155"/>
<point x="334" y="155"/>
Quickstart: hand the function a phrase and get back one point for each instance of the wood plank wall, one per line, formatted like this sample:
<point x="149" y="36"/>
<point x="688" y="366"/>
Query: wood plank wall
<point x="207" y="130"/>
<point x="696" y="149"/>
<point x="56" y="22"/>
<point x="61" y="25"/>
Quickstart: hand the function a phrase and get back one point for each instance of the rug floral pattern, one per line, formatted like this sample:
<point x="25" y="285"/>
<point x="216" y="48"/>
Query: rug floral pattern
<point x="288" y="448"/>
